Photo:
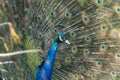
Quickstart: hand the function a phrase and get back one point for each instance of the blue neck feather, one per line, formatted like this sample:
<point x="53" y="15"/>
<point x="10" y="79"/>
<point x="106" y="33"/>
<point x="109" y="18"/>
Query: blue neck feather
<point x="45" y="71"/>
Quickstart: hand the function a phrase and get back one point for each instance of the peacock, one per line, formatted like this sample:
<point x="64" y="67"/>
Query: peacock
<point x="45" y="70"/>
<point x="32" y="30"/>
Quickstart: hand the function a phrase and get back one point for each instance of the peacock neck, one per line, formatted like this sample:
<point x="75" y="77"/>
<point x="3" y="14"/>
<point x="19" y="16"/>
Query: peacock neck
<point x="47" y="67"/>
<point x="52" y="51"/>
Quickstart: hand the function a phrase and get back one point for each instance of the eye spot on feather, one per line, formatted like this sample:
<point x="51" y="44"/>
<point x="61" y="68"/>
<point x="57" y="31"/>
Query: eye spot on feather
<point x="86" y="51"/>
<point x="68" y="60"/>
<point x="82" y="68"/>
<point x="99" y="1"/>
<point x="118" y="9"/>
<point x="117" y="55"/>
<point x="57" y="65"/>
<point x="73" y="34"/>
<point x="93" y="77"/>
<point x="104" y="27"/>
<point x="38" y="18"/>
<point x="99" y="63"/>
<point x="52" y="14"/>
<point x="113" y="73"/>
<point x="68" y="15"/>
<point x="74" y="49"/>
<point x="16" y="18"/>
<point x="88" y="38"/>
<point x="6" y="4"/>
<point x="26" y="11"/>
<point x="85" y="19"/>
<point x="55" y="31"/>
<point x="40" y="35"/>
<point x="103" y="47"/>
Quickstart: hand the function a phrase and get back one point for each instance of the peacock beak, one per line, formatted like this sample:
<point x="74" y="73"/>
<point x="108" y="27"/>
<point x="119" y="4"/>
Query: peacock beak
<point x="66" y="41"/>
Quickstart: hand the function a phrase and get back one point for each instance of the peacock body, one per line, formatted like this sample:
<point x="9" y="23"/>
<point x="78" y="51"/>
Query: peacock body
<point x="91" y="26"/>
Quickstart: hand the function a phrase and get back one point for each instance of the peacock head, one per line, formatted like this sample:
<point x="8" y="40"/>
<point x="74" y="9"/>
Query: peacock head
<point x="62" y="38"/>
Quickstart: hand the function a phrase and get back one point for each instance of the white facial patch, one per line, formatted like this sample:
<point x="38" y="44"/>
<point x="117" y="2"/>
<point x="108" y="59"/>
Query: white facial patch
<point x="60" y="38"/>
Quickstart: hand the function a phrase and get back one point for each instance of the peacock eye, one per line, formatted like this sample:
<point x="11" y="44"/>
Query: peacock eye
<point x="64" y="38"/>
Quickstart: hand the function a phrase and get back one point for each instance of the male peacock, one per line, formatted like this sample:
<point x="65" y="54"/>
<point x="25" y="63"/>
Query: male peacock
<point x="44" y="71"/>
<point x="91" y="26"/>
